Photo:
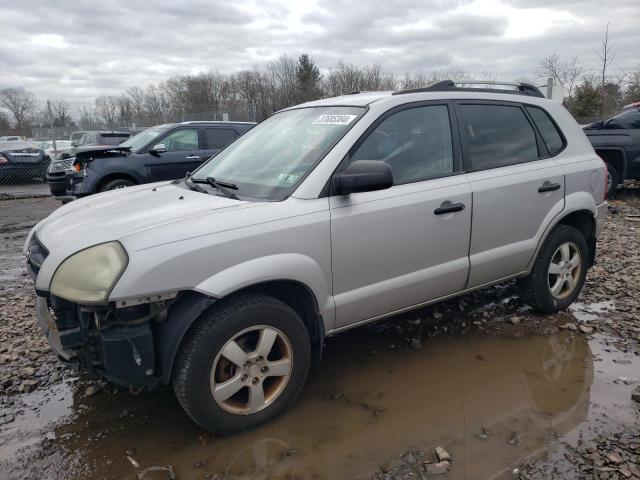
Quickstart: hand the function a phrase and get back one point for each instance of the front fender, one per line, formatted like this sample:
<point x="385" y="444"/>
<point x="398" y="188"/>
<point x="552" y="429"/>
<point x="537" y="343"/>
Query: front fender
<point x="285" y="266"/>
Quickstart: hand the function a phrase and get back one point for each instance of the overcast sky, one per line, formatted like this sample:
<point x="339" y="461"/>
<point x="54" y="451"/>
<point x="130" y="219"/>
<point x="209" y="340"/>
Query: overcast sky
<point x="82" y="49"/>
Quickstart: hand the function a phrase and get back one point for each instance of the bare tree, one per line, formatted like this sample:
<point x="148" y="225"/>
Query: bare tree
<point x="61" y="112"/>
<point x="107" y="107"/>
<point x="20" y="102"/>
<point x="564" y="73"/>
<point x="606" y="56"/>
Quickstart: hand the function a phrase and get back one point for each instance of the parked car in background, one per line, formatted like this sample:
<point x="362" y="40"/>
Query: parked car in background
<point x="163" y="152"/>
<point x="617" y="141"/>
<point x="324" y="217"/>
<point x="54" y="149"/>
<point x="11" y="138"/>
<point x="22" y="162"/>
<point x="98" y="139"/>
<point x="58" y="173"/>
<point x="76" y="136"/>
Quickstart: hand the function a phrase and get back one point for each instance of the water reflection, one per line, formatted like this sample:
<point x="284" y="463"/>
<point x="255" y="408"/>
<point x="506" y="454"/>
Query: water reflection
<point x="370" y="401"/>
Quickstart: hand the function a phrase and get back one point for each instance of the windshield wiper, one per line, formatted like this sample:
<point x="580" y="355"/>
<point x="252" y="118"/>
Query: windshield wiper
<point x="223" y="187"/>
<point x="191" y="185"/>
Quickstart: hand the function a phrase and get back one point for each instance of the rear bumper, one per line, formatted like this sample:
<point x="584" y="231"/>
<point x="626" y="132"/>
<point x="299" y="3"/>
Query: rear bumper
<point x="601" y="217"/>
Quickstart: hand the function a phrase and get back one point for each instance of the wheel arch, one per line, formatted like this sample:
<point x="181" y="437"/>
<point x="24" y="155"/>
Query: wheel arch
<point x="115" y="176"/>
<point x="616" y="156"/>
<point x="579" y="213"/>
<point x="191" y="304"/>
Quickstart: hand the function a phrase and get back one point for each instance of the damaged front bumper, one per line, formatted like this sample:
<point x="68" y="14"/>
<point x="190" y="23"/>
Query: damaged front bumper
<point x="117" y="344"/>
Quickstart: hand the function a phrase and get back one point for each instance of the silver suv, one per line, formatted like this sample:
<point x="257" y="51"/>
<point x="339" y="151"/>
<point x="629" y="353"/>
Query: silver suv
<point x="326" y="216"/>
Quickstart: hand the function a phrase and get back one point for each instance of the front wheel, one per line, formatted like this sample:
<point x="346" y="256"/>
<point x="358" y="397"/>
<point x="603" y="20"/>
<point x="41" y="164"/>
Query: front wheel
<point x="559" y="271"/>
<point x="116" y="184"/>
<point x="244" y="361"/>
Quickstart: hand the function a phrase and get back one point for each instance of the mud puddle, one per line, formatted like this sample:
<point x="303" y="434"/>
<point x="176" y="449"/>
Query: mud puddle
<point x="492" y="403"/>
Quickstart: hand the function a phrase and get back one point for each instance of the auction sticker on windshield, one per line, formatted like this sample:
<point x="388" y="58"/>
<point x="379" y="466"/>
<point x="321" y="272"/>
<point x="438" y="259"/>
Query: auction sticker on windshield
<point x="334" y="119"/>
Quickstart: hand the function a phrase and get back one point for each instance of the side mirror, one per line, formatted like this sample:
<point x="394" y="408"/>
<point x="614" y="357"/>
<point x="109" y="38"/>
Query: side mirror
<point x="363" y="176"/>
<point x="158" y="148"/>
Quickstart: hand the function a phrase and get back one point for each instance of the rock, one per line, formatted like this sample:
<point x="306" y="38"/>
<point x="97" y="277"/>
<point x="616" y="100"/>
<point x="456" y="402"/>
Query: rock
<point x="569" y="326"/>
<point x="442" y="455"/>
<point x="515" y="320"/>
<point x="439" y="468"/>
<point x="635" y="395"/>
<point x="626" y="473"/>
<point x="515" y="439"/>
<point x="484" y="433"/>
<point x="614" y="458"/>
<point x="409" y="458"/>
<point x="28" y="371"/>
<point x="586" y="330"/>
<point x="91" y="390"/>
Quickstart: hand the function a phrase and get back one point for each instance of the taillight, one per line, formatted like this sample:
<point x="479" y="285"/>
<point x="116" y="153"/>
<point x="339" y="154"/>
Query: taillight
<point x="606" y="181"/>
<point x="3" y="160"/>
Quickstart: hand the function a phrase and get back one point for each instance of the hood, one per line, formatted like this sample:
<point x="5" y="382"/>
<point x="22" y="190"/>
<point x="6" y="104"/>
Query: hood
<point x="118" y="214"/>
<point x="96" y="151"/>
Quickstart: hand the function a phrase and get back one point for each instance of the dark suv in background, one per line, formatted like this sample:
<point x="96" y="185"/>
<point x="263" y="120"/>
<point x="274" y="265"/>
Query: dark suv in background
<point x="163" y="152"/>
<point x="617" y="141"/>
<point x="60" y="167"/>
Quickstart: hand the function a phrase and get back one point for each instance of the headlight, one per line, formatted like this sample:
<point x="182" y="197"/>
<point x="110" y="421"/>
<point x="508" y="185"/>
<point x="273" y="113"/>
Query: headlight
<point x="90" y="275"/>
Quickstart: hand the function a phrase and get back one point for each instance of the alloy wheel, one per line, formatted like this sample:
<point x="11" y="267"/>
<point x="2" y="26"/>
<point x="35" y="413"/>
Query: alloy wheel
<point x="564" y="270"/>
<point x="251" y="370"/>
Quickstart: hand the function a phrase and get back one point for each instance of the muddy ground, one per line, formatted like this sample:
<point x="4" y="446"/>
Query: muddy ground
<point x="503" y="392"/>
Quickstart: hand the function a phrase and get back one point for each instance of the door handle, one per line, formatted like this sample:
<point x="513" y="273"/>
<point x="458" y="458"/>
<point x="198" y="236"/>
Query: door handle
<point x="192" y="157"/>
<point x="549" y="187"/>
<point x="451" y="208"/>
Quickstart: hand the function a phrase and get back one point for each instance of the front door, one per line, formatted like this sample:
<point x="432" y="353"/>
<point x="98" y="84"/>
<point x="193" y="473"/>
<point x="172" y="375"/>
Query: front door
<point x="395" y="248"/>
<point x="518" y="188"/>
<point x="182" y="155"/>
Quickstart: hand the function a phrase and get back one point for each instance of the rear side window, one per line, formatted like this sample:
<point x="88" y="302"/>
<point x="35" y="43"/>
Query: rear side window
<point x="416" y="143"/>
<point x="546" y="127"/>
<point x="218" y="138"/>
<point x="496" y="136"/>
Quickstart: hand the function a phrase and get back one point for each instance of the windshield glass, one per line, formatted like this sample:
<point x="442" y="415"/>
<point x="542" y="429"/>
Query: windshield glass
<point x="269" y="161"/>
<point x="143" y="138"/>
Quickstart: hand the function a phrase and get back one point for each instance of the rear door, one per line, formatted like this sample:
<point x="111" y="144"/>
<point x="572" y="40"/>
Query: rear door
<point x="518" y="187"/>
<point x="396" y="248"/>
<point x="183" y="154"/>
<point x="216" y="138"/>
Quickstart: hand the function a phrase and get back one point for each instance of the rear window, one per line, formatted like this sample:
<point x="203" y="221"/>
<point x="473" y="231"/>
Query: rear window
<point x="218" y="138"/>
<point x="548" y="130"/>
<point x="496" y="136"/>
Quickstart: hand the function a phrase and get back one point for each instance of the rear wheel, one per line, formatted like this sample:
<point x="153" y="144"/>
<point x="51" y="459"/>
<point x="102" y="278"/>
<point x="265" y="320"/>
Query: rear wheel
<point x="244" y="361"/>
<point x="116" y="183"/>
<point x="559" y="271"/>
<point x="613" y="179"/>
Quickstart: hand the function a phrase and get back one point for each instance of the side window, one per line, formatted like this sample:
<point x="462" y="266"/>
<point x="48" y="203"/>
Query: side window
<point x="415" y="142"/>
<point x="546" y="127"/>
<point x="496" y="136"/>
<point x="182" y="140"/>
<point x="219" y="137"/>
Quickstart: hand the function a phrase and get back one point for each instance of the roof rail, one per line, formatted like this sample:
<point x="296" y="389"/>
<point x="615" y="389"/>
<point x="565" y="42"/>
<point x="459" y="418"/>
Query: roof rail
<point x="449" y="85"/>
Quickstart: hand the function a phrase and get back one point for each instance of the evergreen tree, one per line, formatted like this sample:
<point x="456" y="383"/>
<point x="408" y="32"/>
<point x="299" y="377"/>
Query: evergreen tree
<point x="308" y="79"/>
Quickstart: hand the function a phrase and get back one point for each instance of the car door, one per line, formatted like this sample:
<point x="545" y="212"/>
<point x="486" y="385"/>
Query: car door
<point x="518" y="188"/>
<point x="182" y="154"/>
<point x="216" y="138"/>
<point x="395" y="248"/>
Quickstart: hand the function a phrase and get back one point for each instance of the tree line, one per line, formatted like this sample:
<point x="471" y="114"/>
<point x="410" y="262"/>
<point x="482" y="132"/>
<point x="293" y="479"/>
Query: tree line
<point x="256" y="93"/>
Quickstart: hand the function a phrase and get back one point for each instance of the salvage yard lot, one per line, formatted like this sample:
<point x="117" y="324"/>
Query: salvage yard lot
<point x="498" y="387"/>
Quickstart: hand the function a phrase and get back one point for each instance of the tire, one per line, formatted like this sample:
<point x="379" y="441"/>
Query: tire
<point x="201" y="361"/>
<point x="536" y="288"/>
<point x="612" y="181"/>
<point x="117" y="183"/>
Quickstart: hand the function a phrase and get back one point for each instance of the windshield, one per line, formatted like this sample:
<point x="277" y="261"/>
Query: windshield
<point x="140" y="140"/>
<point x="270" y="160"/>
